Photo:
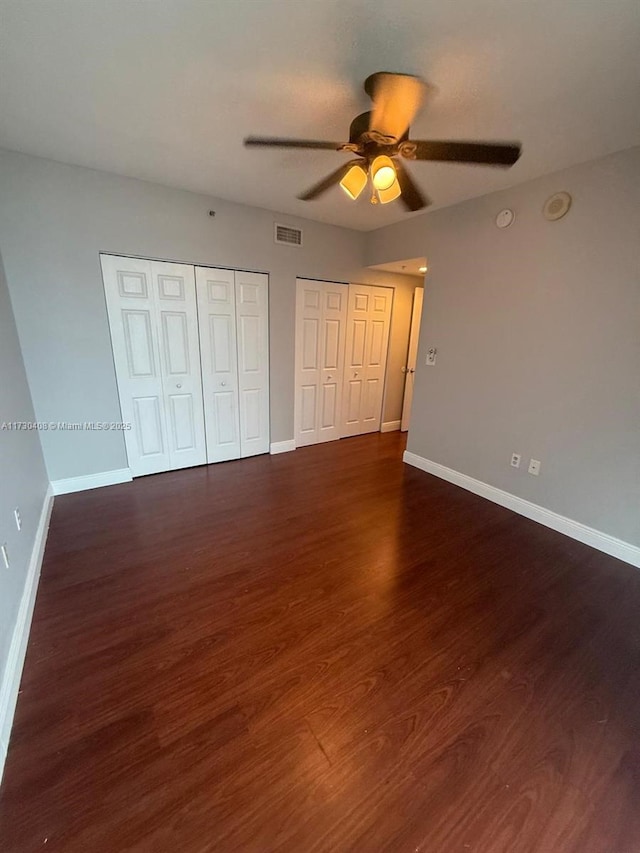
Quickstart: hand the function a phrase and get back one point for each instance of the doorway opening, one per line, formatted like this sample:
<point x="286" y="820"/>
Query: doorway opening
<point x="413" y="271"/>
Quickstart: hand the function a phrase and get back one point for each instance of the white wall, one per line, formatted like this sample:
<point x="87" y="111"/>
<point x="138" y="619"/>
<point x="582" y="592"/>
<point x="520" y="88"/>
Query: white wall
<point x="537" y="329"/>
<point x="23" y="484"/>
<point x="54" y="221"/>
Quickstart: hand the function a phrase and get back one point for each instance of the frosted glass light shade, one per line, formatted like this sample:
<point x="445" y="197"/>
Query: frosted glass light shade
<point x="383" y="172"/>
<point x="354" y="181"/>
<point x="389" y="194"/>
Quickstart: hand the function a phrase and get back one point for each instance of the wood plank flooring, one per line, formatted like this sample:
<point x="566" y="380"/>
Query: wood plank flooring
<point x="322" y="651"/>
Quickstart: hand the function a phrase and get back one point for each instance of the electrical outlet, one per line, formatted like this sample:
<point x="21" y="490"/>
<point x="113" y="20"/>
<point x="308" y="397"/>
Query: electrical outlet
<point x="17" y="517"/>
<point x="534" y="466"/>
<point x="5" y="555"/>
<point x="431" y="356"/>
<point x="515" y="460"/>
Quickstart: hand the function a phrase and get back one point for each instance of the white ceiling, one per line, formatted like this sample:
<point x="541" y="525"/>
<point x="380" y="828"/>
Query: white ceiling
<point x="166" y="90"/>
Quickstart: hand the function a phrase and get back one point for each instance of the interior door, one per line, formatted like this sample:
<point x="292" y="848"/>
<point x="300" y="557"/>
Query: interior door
<point x="368" y="325"/>
<point x="217" y="321"/>
<point x="134" y="334"/>
<point x="320" y="331"/>
<point x="177" y="316"/>
<point x="332" y="334"/>
<point x="154" y="332"/>
<point x="252" y="338"/>
<point x="412" y="357"/>
<point x="307" y="379"/>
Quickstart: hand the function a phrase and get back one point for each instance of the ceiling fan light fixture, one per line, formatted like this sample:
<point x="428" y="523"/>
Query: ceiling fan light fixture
<point x="382" y="133"/>
<point x="390" y="194"/>
<point x="354" y="181"/>
<point x="383" y="173"/>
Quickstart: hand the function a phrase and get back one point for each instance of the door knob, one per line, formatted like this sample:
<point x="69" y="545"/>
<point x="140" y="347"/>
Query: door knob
<point x="328" y="378"/>
<point x="356" y="373"/>
<point x="178" y="385"/>
<point x="223" y="384"/>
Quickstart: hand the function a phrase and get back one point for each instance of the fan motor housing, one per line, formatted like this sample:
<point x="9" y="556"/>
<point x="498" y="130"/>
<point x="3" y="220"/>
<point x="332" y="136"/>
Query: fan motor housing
<point x="358" y="127"/>
<point x="369" y="144"/>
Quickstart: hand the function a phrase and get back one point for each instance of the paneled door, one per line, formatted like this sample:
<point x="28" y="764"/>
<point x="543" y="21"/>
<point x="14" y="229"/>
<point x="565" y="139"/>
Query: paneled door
<point x="234" y="341"/>
<point x="252" y="325"/>
<point x="217" y="320"/>
<point x="175" y="293"/>
<point x="368" y="324"/>
<point x="321" y="311"/>
<point x="154" y="332"/>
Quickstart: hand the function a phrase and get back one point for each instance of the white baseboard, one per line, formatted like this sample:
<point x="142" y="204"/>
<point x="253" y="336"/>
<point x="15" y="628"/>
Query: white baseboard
<point x="390" y="426"/>
<point x="282" y="446"/>
<point x="588" y="535"/>
<point x="91" y="481"/>
<point x="18" y="648"/>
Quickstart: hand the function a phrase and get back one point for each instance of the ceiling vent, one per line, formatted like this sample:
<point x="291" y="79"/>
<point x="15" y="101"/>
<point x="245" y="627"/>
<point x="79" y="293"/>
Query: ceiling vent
<point x="286" y="235"/>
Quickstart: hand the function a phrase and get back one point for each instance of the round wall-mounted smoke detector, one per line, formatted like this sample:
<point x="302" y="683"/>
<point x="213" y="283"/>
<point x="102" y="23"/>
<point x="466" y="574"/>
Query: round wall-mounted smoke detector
<point x="556" y="206"/>
<point x="505" y="218"/>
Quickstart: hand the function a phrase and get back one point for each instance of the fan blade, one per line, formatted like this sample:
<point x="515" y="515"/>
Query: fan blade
<point x="328" y="182"/>
<point x="489" y="153"/>
<point x="396" y="100"/>
<point x="412" y="197"/>
<point x="276" y="142"/>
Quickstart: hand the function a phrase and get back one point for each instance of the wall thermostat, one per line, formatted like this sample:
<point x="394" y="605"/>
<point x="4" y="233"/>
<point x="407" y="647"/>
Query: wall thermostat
<point x="505" y="218"/>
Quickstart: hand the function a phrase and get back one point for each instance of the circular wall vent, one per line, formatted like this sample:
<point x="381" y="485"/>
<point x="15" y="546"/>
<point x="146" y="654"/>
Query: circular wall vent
<point x="556" y="206"/>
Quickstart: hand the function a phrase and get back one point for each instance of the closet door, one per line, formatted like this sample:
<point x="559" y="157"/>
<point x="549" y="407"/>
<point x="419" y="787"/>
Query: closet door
<point x="217" y="321"/>
<point x="252" y="337"/>
<point x="132" y="317"/>
<point x="320" y="331"/>
<point x="308" y="322"/>
<point x="368" y="325"/>
<point x="154" y="333"/>
<point x="177" y="317"/>
<point x="332" y="334"/>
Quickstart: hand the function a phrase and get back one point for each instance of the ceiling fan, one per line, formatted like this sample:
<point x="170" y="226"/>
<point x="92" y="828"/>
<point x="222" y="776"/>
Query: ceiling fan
<point x="380" y="141"/>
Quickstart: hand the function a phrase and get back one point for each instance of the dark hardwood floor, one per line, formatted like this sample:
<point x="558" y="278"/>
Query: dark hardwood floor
<point x="323" y="651"/>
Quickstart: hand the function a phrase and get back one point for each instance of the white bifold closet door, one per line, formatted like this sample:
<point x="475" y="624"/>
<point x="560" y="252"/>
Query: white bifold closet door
<point x="233" y="317"/>
<point x="321" y="314"/>
<point x="368" y="325"/>
<point x="154" y="331"/>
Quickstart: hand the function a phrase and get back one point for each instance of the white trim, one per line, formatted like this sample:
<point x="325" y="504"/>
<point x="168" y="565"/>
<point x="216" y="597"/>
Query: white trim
<point x="595" y="538"/>
<point x="282" y="446"/>
<point x="18" y="648"/>
<point x="91" y="481"/>
<point x="390" y="426"/>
